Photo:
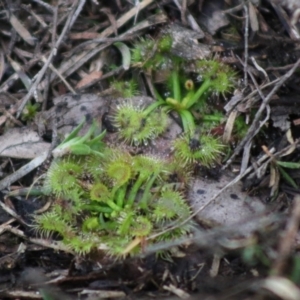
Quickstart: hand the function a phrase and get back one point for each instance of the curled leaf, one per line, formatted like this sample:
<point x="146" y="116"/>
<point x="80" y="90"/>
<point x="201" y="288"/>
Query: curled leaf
<point x="126" y="56"/>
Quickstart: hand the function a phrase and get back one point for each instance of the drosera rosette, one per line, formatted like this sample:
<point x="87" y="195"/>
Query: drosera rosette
<point x="184" y="93"/>
<point x="179" y="176"/>
<point x="204" y="149"/>
<point x="48" y="223"/>
<point x="172" y="219"/>
<point x="92" y="165"/>
<point x="150" y="54"/>
<point x="118" y="166"/>
<point x="137" y="125"/>
<point x="118" y="169"/>
<point x="30" y="111"/>
<point x="117" y="172"/>
<point x="210" y="119"/>
<point x="100" y="193"/>
<point x="133" y="224"/>
<point x="58" y="219"/>
<point x="125" y="88"/>
<point x="82" y="243"/>
<point x="214" y="77"/>
<point x="61" y="178"/>
<point x="170" y="205"/>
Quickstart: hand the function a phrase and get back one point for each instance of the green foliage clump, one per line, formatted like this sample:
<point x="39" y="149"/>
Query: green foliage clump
<point x="126" y="89"/>
<point x="137" y="125"/>
<point x="213" y="75"/>
<point x="111" y="202"/>
<point x="30" y="111"/>
<point x="186" y="93"/>
<point x="153" y="55"/>
<point x="187" y="87"/>
<point x="108" y="200"/>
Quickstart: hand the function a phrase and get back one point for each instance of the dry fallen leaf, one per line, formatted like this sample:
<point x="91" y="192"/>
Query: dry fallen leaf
<point x="22" y="143"/>
<point x="87" y="80"/>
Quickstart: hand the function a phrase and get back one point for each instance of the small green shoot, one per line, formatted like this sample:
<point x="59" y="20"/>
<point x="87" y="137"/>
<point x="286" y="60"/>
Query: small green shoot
<point x="77" y="145"/>
<point x="30" y="111"/>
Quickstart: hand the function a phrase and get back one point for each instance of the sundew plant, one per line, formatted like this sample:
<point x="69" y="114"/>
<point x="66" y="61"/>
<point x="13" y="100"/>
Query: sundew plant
<point x="137" y="125"/>
<point x="105" y="199"/>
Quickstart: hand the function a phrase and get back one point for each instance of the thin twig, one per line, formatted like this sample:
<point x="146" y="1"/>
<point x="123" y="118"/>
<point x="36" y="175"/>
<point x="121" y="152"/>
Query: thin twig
<point x="44" y="4"/>
<point x="8" y="180"/>
<point x="235" y="180"/>
<point x="81" y="46"/>
<point x="46" y="65"/>
<point x="57" y="245"/>
<point x="76" y="13"/>
<point x="48" y="73"/>
<point x="54" y="27"/>
<point x="185" y="14"/>
<point x="218" y="237"/>
<point x="247" y="148"/>
<point x="287" y="241"/>
<point x="234" y="9"/>
<point x="75" y="62"/>
<point x="259" y="68"/>
<point x="246" y="35"/>
<point x="255" y="123"/>
<point x="43" y="59"/>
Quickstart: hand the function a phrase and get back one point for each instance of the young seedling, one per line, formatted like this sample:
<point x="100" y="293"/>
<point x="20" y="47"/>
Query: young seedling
<point x="216" y="78"/>
<point x="77" y="145"/>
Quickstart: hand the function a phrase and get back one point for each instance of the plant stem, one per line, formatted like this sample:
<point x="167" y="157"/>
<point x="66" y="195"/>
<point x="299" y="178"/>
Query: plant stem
<point x="113" y="205"/>
<point x="135" y="188"/>
<point x="106" y="225"/>
<point x="124" y="228"/>
<point x="187" y="98"/>
<point x="120" y="195"/>
<point x="175" y="104"/>
<point x="176" y="85"/>
<point x="187" y="121"/>
<point x="153" y="106"/>
<point x="157" y="95"/>
<point x="203" y="88"/>
<point x="144" y="201"/>
<point x="212" y="118"/>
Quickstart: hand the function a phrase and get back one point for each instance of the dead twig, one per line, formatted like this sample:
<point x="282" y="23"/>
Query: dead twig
<point x="75" y="62"/>
<point x="56" y="245"/>
<point x="44" y="4"/>
<point x="287" y="242"/>
<point x="255" y="124"/>
<point x="8" y="180"/>
<point x="246" y="35"/>
<point x="247" y="148"/>
<point x="41" y="73"/>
